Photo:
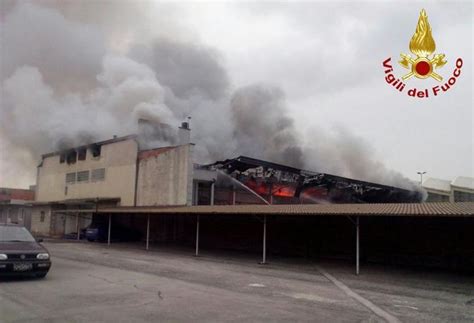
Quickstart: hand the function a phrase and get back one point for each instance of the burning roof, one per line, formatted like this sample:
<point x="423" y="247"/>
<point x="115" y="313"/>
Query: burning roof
<point x="302" y="186"/>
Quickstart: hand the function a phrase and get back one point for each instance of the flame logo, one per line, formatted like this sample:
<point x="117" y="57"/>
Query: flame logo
<point x="422" y="43"/>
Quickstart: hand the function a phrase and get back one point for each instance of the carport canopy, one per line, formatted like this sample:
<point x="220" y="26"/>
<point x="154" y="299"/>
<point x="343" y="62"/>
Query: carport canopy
<point x="351" y="211"/>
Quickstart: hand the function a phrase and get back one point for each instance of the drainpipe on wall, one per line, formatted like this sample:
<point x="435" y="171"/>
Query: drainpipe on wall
<point x="137" y="162"/>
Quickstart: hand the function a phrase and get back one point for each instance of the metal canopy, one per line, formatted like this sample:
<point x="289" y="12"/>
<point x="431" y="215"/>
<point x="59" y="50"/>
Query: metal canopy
<point x="442" y="209"/>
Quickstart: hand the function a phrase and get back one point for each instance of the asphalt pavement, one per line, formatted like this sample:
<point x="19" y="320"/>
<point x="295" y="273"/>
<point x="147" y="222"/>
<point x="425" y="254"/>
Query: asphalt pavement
<point x="95" y="283"/>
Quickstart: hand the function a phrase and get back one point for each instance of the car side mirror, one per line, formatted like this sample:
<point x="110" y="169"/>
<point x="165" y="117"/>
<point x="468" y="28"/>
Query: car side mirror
<point x="39" y="240"/>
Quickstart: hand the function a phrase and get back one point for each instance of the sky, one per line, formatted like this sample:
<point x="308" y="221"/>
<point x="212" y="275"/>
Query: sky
<point x="321" y="60"/>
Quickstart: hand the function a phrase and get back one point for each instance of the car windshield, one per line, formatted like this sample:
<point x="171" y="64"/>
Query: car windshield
<point x="15" y="234"/>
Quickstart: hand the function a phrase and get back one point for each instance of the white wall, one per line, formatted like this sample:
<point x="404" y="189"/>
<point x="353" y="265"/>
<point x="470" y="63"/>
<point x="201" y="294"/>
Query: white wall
<point x="39" y="227"/>
<point x="166" y="177"/>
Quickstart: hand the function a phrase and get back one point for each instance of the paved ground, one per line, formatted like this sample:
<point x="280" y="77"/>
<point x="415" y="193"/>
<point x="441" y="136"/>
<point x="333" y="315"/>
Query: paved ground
<point x="94" y="283"/>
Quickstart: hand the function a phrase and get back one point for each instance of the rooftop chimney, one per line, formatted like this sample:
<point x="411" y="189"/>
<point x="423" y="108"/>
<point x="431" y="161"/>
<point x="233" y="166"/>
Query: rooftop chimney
<point x="184" y="134"/>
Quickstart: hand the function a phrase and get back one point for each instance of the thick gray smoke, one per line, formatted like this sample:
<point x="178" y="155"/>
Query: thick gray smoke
<point x="188" y="69"/>
<point x="262" y="127"/>
<point x="63" y="85"/>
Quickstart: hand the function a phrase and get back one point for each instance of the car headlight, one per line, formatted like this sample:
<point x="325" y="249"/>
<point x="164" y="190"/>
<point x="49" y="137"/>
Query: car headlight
<point x="3" y="256"/>
<point x="42" y="256"/>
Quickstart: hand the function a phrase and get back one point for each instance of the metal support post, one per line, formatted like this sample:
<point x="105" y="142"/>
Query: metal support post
<point x="197" y="236"/>
<point x="212" y="193"/>
<point x="148" y="231"/>
<point x="264" y="255"/>
<point x="110" y="227"/>
<point x="77" y="227"/>
<point x="357" y="246"/>
<point x="233" y="196"/>
<point x="196" y="192"/>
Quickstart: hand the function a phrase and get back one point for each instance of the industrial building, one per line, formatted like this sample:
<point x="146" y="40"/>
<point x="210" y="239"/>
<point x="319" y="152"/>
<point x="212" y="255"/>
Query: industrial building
<point x="243" y="203"/>
<point x="114" y="172"/>
<point x="118" y="172"/>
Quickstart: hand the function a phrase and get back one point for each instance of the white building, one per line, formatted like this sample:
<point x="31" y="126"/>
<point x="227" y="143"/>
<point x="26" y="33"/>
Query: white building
<point x="461" y="189"/>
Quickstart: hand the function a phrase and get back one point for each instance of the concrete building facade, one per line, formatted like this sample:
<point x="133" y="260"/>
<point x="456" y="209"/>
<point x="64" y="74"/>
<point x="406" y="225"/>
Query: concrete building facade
<point x="165" y="176"/>
<point x="461" y="189"/>
<point x="101" y="170"/>
<point x="115" y="172"/>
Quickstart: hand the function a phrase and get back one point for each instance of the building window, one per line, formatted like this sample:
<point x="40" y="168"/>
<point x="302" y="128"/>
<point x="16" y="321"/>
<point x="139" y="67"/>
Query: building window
<point x="83" y="176"/>
<point x="42" y="215"/>
<point x="62" y="158"/>
<point x="463" y="197"/>
<point x="71" y="157"/>
<point x="95" y="150"/>
<point x="70" y="178"/>
<point x="81" y="153"/>
<point x="98" y="174"/>
<point x="433" y="197"/>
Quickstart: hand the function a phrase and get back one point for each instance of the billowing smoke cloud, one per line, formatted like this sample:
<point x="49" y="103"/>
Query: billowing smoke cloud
<point x="342" y="153"/>
<point x="66" y="53"/>
<point x="63" y="86"/>
<point x="188" y="69"/>
<point x="262" y="127"/>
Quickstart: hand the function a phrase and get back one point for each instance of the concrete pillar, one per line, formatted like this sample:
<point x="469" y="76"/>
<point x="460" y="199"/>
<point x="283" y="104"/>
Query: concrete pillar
<point x="148" y="231"/>
<point x="357" y="246"/>
<point x="197" y="236"/>
<point x="110" y="228"/>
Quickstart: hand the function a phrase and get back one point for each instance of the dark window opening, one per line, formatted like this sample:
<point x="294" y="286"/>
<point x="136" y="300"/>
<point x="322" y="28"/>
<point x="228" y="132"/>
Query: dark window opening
<point x="71" y="157"/>
<point x="62" y="158"/>
<point x="433" y="197"/>
<point x="81" y="153"/>
<point x="42" y="215"/>
<point x="463" y="196"/>
<point x="95" y="150"/>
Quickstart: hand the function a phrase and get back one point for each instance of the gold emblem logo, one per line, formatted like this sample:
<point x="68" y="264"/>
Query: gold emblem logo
<point x="422" y="45"/>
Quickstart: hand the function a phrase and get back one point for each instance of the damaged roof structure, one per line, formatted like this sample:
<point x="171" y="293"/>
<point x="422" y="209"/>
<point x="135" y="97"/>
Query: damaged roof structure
<point x="289" y="185"/>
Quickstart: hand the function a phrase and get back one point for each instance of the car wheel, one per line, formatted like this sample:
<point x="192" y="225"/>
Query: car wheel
<point x="41" y="275"/>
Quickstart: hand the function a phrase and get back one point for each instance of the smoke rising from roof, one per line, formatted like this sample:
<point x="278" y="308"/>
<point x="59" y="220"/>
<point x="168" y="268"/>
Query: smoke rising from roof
<point x="263" y="128"/>
<point x="63" y="85"/>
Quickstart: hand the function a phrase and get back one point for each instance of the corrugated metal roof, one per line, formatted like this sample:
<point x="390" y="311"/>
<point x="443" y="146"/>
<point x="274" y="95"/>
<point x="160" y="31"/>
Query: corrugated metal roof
<point x="461" y="209"/>
<point x="437" y="184"/>
<point x="464" y="182"/>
